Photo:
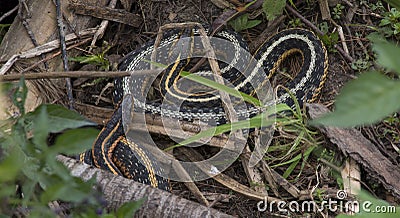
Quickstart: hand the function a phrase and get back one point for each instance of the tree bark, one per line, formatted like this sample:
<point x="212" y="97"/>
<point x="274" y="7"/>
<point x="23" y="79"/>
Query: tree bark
<point x="118" y="190"/>
<point x="353" y="144"/>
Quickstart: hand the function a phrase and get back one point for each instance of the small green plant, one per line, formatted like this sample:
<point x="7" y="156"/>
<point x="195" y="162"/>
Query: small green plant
<point x="273" y="8"/>
<point x="243" y="23"/>
<point x="295" y="23"/>
<point x="95" y="59"/>
<point x="30" y="175"/>
<point x="319" y="194"/>
<point x="361" y="64"/>
<point x="337" y="11"/>
<point x="324" y="27"/>
<point x="295" y="143"/>
<point x="329" y="39"/>
<point x="391" y="129"/>
<point x="391" y="20"/>
<point x="377" y="7"/>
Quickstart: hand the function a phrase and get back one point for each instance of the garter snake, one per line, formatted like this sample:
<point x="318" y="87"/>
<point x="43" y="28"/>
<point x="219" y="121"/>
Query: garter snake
<point x="114" y="152"/>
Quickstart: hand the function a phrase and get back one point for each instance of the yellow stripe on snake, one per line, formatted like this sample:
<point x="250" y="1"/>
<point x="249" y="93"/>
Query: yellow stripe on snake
<point x="114" y="152"/>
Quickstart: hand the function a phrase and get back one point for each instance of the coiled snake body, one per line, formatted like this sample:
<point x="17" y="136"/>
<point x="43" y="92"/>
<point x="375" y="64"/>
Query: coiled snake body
<point x="114" y="152"/>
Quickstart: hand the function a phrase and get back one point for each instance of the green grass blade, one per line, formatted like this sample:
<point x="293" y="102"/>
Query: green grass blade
<point x="212" y="84"/>
<point x="254" y="122"/>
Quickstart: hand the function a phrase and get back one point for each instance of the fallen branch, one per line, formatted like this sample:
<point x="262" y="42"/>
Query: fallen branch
<point x="8" y="13"/>
<point x="75" y="74"/>
<point x="118" y="190"/>
<point x="64" y="56"/>
<point x="106" y="13"/>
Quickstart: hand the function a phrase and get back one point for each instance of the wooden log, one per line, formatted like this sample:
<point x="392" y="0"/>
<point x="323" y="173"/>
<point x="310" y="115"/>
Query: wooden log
<point x="119" y="190"/>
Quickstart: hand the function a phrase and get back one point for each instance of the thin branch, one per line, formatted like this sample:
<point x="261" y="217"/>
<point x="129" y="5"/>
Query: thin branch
<point x="8" y="13"/>
<point x="74" y="74"/>
<point x="49" y="57"/>
<point x="64" y="52"/>
<point x="108" y="13"/>
<point x="25" y="23"/>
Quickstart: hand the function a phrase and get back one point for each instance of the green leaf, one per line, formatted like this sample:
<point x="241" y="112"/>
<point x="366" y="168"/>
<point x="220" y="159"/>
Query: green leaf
<point x="10" y="167"/>
<point x="41" y="211"/>
<point x="260" y="120"/>
<point x="75" y="141"/>
<point x="5" y="87"/>
<point x="96" y="59"/>
<point x="90" y="59"/>
<point x="291" y="167"/>
<point x="218" y="86"/>
<point x="329" y="40"/>
<point x="67" y="188"/>
<point x="6" y="191"/>
<point x="252" y="23"/>
<point x="128" y="209"/>
<point x="273" y="8"/>
<point x="41" y="130"/>
<point x="396" y="30"/>
<point x="60" y="118"/>
<point x="214" y="85"/>
<point x="243" y="22"/>
<point x="29" y="187"/>
<point x="394" y="3"/>
<point x="63" y="191"/>
<point x="31" y="167"/>
<point x="384" y="22"/>
<point x="364" y="101"/>
<point x="239" y="23"/>
<point x="388" y="54"/>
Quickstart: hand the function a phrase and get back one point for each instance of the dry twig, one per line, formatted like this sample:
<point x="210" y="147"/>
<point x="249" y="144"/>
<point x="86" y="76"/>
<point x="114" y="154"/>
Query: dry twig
<point x="63" y="47"/>
<point x="8" y="13"/>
